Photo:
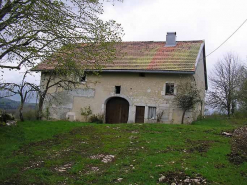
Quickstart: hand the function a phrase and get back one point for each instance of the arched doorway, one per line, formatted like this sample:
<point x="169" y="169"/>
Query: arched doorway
<point x="117" y="110"/>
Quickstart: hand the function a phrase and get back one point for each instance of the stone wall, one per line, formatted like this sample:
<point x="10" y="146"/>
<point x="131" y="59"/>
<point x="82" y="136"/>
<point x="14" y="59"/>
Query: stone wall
<point x="137" y="90"/>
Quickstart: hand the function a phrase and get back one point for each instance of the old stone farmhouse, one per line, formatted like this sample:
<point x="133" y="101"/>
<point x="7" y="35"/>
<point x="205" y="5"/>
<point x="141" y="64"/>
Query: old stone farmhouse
<point x="140" y="85"/>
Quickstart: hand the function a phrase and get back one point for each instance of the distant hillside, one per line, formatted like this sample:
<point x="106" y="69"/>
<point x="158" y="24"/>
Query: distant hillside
<point x="7" y="104"/>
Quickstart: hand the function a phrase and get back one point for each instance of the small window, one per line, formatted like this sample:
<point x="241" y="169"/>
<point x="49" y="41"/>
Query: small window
<point x="83" y="78"/>
<point x="151" y="112"/>
<point x="117" y="89"/>
<point x="169" y="88"/>
<point x="142" y="74"/>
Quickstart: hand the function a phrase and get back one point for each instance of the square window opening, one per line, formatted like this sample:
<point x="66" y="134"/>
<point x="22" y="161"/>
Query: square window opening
<point x="169" y="88"/>
<point x="142" y="74"/>
<point x="151" y="112"/>
<point x="83" y="78"/>
<point x="117" y="89"/>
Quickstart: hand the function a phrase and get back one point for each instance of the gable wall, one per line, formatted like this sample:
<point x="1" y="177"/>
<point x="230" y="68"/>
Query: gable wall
<point x="199" y="77"/>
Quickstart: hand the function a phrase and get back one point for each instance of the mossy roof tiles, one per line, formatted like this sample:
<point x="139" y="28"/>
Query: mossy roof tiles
<point x="148" y="56"/>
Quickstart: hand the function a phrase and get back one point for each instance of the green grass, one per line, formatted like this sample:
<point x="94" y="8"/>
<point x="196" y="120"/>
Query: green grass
<point x="49" y="152"/>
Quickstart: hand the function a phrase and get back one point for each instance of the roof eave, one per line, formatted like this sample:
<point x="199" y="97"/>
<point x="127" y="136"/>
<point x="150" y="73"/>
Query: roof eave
<point x="142" y="71"/>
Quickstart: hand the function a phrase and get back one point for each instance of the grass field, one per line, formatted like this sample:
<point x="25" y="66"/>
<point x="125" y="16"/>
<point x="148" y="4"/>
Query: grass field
<point x="47" y="152"/>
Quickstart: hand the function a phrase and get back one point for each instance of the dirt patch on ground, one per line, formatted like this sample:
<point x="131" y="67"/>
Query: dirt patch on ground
<point x="180" y="178"/>
<point x="200" y="146"/>
<point x="238" y="153"/>
<point x="55" y="140"/>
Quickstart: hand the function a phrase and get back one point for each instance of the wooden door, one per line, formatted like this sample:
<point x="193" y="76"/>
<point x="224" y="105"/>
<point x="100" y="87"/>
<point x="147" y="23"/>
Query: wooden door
<point x="140" y="112"/>
<point x="117" y="110"/>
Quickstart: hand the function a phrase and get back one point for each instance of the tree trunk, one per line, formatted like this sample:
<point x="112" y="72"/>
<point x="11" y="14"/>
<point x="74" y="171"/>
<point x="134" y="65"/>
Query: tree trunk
<point x="20" y="112"/>
<point x="233" y="107"/>
<point x="183" y="116"/>
<point x="40" y="113"/>
<point x="228" y="111"/>
<point x="21" y="109"/>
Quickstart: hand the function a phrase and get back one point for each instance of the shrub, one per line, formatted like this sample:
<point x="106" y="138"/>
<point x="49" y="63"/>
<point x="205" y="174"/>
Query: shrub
<point x="86" y="111"/>
<point x="241" y="114"/>
<point x="30" y="115"/>
<point x="97" y="118"/>
<point x="5" y="116"/>
<point x="159" y="116"/>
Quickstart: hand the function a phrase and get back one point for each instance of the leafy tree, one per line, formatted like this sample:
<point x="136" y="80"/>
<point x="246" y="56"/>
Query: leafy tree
<point x="32" y="30"/>
<point x="55" y="31"/>
<point x="225" y="83"/>
<point x="187" y="97"/>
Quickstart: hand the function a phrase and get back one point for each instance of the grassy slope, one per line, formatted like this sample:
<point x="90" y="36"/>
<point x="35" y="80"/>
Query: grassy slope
<point x="33" y="152"/>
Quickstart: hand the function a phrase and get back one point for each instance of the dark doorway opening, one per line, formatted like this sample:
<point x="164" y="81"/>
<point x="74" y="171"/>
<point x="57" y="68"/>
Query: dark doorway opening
<point x="140" y="112"/>
<point x="117" y="110"/>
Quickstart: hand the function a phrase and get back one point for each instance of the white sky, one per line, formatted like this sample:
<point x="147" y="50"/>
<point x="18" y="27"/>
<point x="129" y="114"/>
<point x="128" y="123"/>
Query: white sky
<point x="149" y="20"/>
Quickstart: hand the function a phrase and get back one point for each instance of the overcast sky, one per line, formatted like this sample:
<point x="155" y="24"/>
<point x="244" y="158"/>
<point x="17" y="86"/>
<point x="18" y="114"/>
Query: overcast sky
<point x="210" y="20"/>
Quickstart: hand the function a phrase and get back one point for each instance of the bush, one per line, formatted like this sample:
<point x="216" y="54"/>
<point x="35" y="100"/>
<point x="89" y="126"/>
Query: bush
<point x="240" y="114"/>
<point x="97" y="118"/>
<point x="5" y="116"/>
<point x="30" y="115"/>
<point x="86" y="111"/>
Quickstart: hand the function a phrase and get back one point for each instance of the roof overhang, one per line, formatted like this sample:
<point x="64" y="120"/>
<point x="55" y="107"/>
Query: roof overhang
<point x="141" y="71"/>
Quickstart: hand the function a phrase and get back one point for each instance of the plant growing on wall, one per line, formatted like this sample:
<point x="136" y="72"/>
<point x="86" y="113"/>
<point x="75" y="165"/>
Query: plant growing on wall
<point x="159" y="116"/>
<point x="86" y="112"/>
<point x="187" y="97"/>
<point x="47" y="113"/>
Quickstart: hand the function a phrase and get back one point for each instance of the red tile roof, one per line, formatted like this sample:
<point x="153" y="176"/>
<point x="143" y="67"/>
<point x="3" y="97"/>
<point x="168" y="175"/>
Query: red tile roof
<point x="148" y="56"/>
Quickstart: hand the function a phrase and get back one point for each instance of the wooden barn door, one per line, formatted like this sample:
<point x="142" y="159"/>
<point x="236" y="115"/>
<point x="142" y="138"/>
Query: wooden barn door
<point x="140" y="112"/>
<point x="117" y="110"/>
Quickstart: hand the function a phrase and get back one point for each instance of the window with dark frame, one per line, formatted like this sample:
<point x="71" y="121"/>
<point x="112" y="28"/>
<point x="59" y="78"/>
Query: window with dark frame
<point x="117" y="89"/>
<point x="83" y="78"/>
<point x="169" y="88"/>
<point x="151" y="112"/>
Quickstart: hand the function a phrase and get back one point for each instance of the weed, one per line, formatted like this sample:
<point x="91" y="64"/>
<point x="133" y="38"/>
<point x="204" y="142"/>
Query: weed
<point x="96" y="118"/>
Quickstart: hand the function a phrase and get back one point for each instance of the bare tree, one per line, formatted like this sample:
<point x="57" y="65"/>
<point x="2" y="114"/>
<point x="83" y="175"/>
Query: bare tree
<point x="242" y="93"/>
<point x="24" y="90"/>
<point x="225" y="82"/>
<point x="187" y="97"/>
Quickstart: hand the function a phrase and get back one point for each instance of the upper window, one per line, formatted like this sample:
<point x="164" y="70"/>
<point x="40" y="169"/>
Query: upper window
<point x="151" y="112"/>
<point x="83" y="78"/>
<point x="169" y="88"/>
<point x="117" y="89"/>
